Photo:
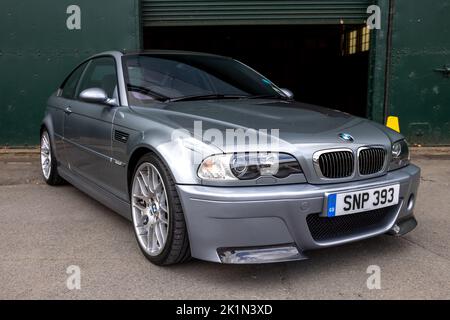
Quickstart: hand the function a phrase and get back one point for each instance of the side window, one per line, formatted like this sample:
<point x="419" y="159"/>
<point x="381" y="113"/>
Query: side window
<point x="70" y="84"/>
<point x="101" y="73"/>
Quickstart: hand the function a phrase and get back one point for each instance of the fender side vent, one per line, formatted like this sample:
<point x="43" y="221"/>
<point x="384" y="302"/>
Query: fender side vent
<point x="121" y="136"/>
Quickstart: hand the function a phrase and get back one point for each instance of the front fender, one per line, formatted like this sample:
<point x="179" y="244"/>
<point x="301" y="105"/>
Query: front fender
<point x="181" y="155"/>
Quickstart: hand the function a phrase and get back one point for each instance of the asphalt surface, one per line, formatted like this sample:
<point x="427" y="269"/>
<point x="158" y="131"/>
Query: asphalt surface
<point x="44" y="230"/>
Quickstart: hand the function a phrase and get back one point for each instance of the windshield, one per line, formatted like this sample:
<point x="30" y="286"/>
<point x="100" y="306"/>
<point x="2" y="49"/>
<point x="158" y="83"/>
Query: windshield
<point x="175" y="77"/>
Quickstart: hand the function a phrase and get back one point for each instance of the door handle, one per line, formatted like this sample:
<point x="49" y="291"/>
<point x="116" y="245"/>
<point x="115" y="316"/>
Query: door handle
<point x="445" y="70"/>
<point x="68" y="110"/>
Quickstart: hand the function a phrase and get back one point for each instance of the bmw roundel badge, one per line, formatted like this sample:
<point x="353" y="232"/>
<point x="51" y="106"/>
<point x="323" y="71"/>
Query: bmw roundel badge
<point x="346" y="137"/>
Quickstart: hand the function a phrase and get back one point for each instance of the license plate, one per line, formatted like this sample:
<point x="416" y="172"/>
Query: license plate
<point x="339" y="204"/>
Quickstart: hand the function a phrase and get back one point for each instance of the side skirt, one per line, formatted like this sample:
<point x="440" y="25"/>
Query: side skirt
<point x="95" y="192"/>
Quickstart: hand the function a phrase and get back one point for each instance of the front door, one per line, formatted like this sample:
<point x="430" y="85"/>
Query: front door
<point x="87" y="126"/>
<point x="66" y="99"/>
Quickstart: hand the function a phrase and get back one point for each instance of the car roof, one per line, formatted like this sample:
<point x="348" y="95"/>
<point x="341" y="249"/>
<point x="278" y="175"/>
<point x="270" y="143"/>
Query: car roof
<point x="118" y="54"/>
<point x="171" y="52"/>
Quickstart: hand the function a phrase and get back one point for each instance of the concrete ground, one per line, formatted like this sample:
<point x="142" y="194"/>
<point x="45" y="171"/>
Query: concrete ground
<point x="44" y="230"/>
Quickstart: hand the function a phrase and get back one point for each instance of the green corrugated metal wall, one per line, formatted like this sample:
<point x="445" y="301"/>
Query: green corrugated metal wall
<point x="377" y="66"/>
<point x="262" y="12"/>
<point x="37" y="50"/>
<point x="417" y="92"/>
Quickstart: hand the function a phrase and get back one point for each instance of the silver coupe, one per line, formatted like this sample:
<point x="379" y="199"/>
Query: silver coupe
<point x="210" y="159"/>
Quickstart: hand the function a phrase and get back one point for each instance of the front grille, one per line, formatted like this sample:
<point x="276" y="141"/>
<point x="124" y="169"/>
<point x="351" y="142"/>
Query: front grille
<point x="336" y="164"/>
<point x="371" y="160"/>
<point x="333" y="228"/>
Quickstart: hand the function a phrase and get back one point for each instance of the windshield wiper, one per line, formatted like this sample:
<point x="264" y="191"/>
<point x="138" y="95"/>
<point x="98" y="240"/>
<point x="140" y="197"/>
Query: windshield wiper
<point x="266" y="96"/>
<point x="206" y="96"/>
<point x="147" y="91"/>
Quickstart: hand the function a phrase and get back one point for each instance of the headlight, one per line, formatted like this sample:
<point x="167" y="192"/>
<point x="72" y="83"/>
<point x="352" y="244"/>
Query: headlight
<point x="248" y="166"/>
<point x="400" y="155"/>
<point x="216" y="168"/>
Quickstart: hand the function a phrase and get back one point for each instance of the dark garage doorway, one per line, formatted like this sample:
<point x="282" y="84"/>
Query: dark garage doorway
<point x="322" y="64"/>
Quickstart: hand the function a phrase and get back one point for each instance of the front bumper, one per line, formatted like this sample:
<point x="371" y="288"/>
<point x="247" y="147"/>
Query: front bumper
<point x="265" y="223"/>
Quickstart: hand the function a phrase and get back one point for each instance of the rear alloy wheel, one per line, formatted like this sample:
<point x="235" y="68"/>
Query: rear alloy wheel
<point x="48" y="161"/>
<point x="158" y="219"/>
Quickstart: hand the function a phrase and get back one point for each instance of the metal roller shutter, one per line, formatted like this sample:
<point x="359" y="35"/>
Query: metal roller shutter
<point x="256" y="12"/>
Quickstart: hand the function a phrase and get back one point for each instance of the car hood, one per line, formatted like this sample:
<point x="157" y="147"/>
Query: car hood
<point x="297" y="123"/>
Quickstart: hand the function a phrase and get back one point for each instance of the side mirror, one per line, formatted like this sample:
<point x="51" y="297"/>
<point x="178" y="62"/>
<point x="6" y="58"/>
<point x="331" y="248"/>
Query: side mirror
<point x="288" y="93"/>
<point x="97" y="95"/>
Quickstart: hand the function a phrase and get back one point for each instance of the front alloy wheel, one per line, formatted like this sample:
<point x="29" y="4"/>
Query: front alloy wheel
<point x="158" y="218"/>
<point x="150" y="209"/>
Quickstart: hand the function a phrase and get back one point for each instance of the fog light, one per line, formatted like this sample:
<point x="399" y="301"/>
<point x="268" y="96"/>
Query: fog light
<point x="411" y="202"/>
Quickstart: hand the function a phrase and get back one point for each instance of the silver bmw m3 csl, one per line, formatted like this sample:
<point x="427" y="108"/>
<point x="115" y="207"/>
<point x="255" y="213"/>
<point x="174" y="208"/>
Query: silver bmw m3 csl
<point x="209" y="159"/>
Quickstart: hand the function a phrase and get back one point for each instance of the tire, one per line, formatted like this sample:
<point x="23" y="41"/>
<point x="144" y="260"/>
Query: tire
<point x="158" y="218"/>
<point x="49" y="163"/>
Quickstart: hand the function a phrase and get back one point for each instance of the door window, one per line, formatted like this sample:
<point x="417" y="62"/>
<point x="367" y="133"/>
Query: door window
<point x="70" y="84"/>
<point x="101" y="73"/>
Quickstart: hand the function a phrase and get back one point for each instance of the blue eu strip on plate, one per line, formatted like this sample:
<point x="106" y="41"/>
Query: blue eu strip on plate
<point x="331" y="210"/>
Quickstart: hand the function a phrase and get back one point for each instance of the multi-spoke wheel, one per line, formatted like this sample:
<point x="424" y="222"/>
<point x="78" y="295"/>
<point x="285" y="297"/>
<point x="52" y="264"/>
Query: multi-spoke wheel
<point x="150" y="209"/>
<point x="158" y="219"/>
<point x="46" y="156"/>
<point x="48" y="161"/>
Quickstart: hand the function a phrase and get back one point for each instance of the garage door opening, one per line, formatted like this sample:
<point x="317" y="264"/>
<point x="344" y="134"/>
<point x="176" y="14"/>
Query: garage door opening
<point x="325" y="65"/>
